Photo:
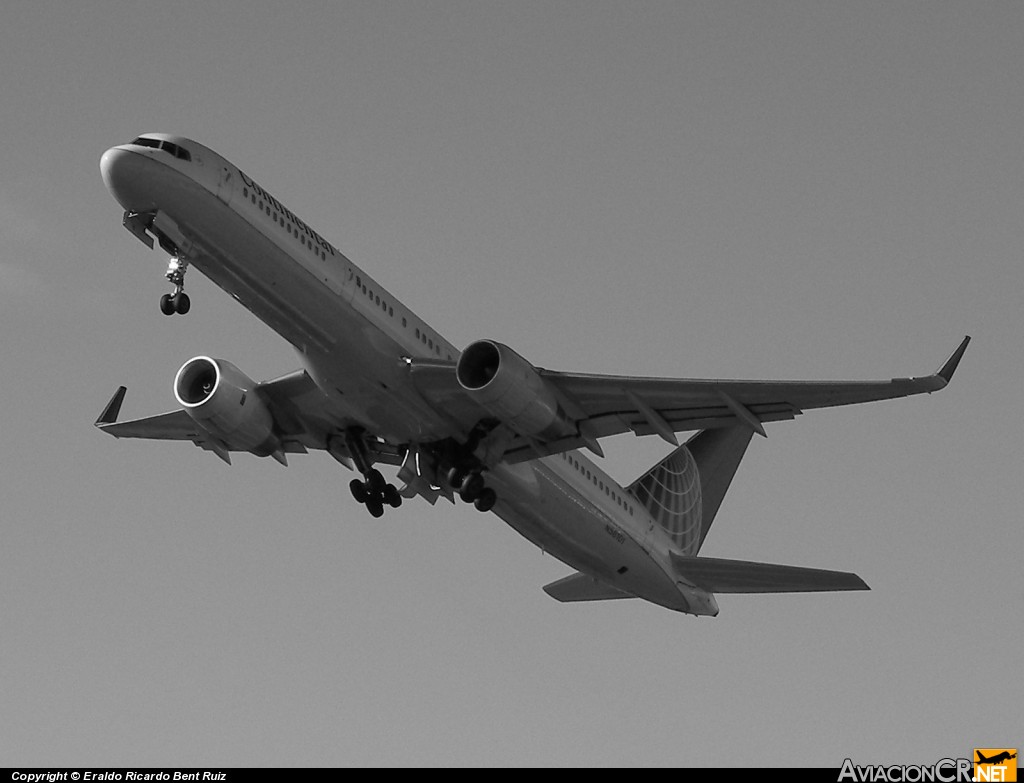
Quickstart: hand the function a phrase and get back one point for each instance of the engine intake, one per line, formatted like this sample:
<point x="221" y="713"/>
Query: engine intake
<point x="509" y="387"/>
<point x="223" y="400"/>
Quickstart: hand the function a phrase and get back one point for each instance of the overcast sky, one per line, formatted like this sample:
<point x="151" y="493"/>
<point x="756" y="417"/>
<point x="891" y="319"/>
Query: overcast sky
<point x="759" y="190"/>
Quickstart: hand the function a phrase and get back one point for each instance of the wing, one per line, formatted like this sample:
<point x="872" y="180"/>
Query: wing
<point x="604" y="405"/>
<point x="301" y="420"/>
<point x="178" y="425"/>
<point x="173" y="425"/>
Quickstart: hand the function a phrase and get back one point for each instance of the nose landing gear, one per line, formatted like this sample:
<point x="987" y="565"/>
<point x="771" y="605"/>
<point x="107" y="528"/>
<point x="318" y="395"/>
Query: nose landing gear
<point x="178" y="302"/>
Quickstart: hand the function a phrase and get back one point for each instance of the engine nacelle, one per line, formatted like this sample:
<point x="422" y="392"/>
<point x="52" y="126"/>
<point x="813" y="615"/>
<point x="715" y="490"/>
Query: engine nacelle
<point x="222" y="399"/>
<point x="509" y="387"/>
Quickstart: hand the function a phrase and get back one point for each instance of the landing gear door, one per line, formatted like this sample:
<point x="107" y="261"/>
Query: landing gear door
<point x="225" y="183"/>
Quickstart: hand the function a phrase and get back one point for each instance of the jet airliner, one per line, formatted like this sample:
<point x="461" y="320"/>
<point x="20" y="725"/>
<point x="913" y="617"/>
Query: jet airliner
<point x="997" y="759"/>
<point x="377" y="387"/>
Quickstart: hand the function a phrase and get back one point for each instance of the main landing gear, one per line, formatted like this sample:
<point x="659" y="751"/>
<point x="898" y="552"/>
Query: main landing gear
<point x="178" y="302"/>
<point x="472" y="489"/>
<point x="373" y="491"/>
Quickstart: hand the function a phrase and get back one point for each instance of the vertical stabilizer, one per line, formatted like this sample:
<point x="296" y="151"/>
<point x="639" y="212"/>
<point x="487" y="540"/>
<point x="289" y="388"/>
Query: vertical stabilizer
<point x="684" y="491"/>
<point x="717" y="454"/>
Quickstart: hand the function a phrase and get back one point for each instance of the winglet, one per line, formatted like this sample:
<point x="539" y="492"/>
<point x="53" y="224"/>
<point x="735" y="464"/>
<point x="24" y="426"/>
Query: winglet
<point x="113" y="408"/>
<point x="946" y="373"/>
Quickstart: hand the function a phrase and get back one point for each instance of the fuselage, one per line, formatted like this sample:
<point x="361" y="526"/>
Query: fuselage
<point x="356" y="340"/>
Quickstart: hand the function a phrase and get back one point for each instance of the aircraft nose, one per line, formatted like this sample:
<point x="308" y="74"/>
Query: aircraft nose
<point x="122" y="174"/>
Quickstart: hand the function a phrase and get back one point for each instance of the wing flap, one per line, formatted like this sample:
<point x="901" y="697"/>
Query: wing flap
<point x="740" y="576"/>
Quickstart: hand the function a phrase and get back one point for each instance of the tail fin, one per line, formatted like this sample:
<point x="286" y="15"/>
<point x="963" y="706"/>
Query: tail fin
<point x="684" y="490"/>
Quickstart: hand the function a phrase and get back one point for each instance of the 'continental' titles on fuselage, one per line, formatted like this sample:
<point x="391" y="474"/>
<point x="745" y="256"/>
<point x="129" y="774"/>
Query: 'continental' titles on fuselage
<point x="250" y="182"/>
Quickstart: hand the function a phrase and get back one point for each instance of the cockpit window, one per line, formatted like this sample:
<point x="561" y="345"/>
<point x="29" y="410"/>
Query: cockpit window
<point x="166" y="146"/>
<point x="178" y="152"/>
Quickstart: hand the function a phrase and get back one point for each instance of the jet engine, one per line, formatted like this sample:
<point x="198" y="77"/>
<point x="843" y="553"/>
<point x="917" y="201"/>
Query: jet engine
<point x="223" y="400"/>
<point x="509" y="387"/>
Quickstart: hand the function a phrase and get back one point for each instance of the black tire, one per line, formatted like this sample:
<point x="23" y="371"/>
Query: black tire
<point x="375" y="507"/>
<point x="486" y="500"/>
<point x="358" y="490"/>
<point x="182" y="304"/>
<point x="455" y="478"/>
<point x="391" y="496"/>
<point x="375" y="483"/>
<point x="167" y="304"/>
<point x="471" y="487"/>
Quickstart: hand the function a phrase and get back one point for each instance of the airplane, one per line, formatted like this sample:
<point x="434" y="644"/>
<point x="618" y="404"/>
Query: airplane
<point x="996" y="759"/>
<point x="379" y="387"/>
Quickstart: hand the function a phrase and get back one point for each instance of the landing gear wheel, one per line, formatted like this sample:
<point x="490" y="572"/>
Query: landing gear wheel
<point x="358" y="490"/>
<point x="182" y="304"/>
<point x="471" y="488"/>
<point x="455" y="478"/>
<point x="167" y="304"/>
<point x="375" y="483"/>
<point x="375" y="507"/>
<point x="391" y="496"/>
<point x="485" y="500"/>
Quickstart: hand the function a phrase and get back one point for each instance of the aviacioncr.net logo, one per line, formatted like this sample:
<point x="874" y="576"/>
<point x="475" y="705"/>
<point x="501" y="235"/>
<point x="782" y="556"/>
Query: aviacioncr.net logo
<point x="942" y="771"/>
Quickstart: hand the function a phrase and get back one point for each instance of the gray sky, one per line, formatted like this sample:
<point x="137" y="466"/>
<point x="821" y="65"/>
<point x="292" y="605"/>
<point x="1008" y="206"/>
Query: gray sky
<point x="777" y="190"/>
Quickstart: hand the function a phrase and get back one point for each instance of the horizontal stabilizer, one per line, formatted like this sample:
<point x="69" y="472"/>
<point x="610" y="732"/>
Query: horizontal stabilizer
<point x="582" y="587"/>
<point x="739" y="576"/>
